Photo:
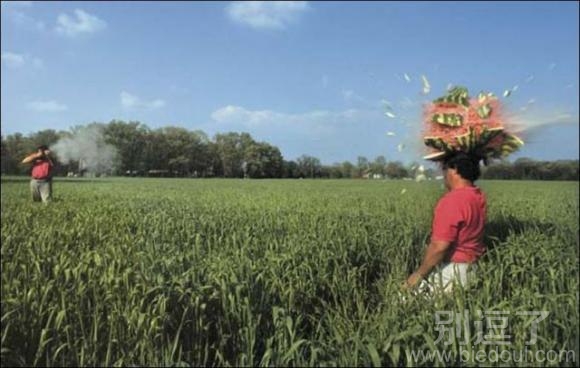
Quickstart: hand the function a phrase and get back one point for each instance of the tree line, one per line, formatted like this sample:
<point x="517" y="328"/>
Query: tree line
<point x="178" y="152"/>
<point x="528" y="169"/>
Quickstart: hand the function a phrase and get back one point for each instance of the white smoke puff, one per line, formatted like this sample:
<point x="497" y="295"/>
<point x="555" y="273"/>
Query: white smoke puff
<point x="528" y="121"/>
<point x="87" y="146"/>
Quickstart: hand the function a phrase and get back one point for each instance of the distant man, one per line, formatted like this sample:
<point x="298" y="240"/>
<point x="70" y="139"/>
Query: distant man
<point x="41" y="173"/>
<point x="457" y="230"/>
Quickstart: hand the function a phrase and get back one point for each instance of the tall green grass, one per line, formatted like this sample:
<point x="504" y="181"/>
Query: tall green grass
<point x="243" y="273"/>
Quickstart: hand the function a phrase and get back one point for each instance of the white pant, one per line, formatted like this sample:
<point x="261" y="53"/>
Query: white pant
<point x="448" y="275"/>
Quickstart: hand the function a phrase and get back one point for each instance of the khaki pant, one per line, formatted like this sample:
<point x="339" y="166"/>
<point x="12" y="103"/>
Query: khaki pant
<point x="41" y="190"/>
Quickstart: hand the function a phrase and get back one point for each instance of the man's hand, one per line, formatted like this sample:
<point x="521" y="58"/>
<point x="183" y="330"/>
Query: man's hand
<point x="36" y="155"/>
<point x="412" y="281"/>
<point x="42" y="153"/>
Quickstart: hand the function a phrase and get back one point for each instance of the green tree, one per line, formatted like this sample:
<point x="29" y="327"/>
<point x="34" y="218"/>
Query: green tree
<point x="362" y="165"/>
<point x="16" y="147"/>
<point x="263" y="160"/>
<point x="129" y="140"/>
<point x="348" y="170"/>
<point x="5" y="158"/>
<point x="47" y="137"/>
<point x="335" y="171"/>
<point x="290" y="169"/>
<point x="308" y="166"/>
<point x="231" y="149"/>
<point x="396" y="170"/>
<point x="378" y="166"/>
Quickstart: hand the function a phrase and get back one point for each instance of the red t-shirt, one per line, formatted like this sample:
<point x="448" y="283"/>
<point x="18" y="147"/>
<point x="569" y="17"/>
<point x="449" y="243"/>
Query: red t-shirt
<point x="41" y="169"/>
<point x="460" y="219"/>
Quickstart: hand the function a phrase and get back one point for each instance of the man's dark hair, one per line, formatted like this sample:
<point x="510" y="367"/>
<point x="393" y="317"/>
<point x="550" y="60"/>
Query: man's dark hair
<point x="43" y="147"/>
<point x="467" y="166"/>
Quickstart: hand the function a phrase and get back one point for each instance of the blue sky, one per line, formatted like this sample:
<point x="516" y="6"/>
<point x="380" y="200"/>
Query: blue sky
<point x="309" y="77"/>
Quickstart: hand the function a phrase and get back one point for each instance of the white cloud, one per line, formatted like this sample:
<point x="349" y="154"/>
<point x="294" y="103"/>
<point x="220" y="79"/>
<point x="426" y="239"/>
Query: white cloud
<point x="37" y="63"/>
<point x="82" y="23"/>
<point x="239" y="115"/>
<point x="329" y="135"/>
<point x="130" y="101"/>
<point x="266" y="14"/>
<point x="155" y="104"/>
<point x="347" y="94"/>
<point x="15" y="14"/>
<point x="13" y="5"/>
<point x="23" y="4"/>
<point x="46" y="106"/>
<point x="351" y="97"/>
<point x="255" y="118"/>
<point x="14" y="60"/>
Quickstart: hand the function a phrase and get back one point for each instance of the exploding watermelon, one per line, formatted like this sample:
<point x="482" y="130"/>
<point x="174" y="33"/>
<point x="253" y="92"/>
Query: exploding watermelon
<point x="456" y="122"/>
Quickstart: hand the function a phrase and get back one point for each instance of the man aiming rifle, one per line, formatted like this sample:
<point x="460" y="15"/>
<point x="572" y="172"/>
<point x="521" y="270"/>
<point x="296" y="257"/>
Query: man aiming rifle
<point x="41" y="174"/>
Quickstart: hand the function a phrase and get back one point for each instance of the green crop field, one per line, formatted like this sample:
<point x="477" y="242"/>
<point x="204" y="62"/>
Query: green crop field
<point x="301" y="273"/>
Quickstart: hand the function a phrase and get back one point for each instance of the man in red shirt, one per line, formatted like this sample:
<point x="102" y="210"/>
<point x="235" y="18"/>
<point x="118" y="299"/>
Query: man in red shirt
<point x="41" y="181"/>
<point x="457" y="231"/>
